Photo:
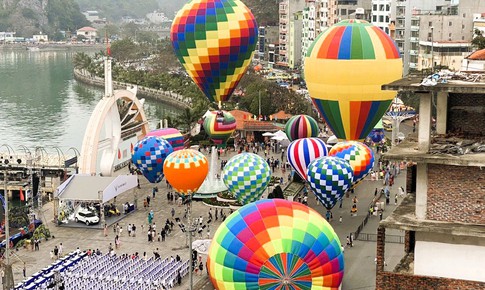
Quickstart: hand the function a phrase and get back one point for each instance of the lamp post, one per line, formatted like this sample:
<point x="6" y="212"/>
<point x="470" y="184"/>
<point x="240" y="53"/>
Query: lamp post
<point x="432" y="49"/>
<point x="8" y="282"/>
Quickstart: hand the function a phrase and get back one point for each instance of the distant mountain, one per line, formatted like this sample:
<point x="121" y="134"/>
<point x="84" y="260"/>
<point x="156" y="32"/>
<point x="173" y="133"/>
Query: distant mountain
<point x="114" y="10"/>
<point x="28" y="17"/>
<point x="265" y="11"/>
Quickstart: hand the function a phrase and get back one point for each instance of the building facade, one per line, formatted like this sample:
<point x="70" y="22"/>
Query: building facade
<point x="316" y="17"/>
<point x="444" y="211"/>
<point x="294" y="43"/>
<point x="287" y="8"/>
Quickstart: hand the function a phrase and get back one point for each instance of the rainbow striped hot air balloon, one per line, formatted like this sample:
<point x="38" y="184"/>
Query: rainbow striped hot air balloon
<point x="173" y="136"/>
<point x="301" y="126"/>
<point x="275" y="244"/>
<point x="219" y="126"/>
<point x="215" y="41"/>
<point x="344" y="70"/>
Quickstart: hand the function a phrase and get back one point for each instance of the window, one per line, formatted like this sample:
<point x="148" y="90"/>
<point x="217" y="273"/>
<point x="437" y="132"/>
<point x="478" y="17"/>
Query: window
<point x="388" y="7"/>
<point x="450" y="23"/>
<point x="381" y="18"/>
<point x="387" y="19"/>
<point x="374" y="18"/>
<point x="430" y="24"/>
<point x="374" y="7"/>
<point x="463" y="26"/>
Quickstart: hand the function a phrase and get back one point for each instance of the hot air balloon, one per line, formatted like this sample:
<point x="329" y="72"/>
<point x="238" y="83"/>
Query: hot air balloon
<point x="301" y="126"/>
<point x="173" y="136"/>
<point x="329" y="179"/>
<point x="215" y="41"/>
<point x="359" y="156"/>
<point x="186" y="170"/>
<point x="345" y="68"/>
<point x="149" y="155"/>
<point x="275" y="244"/>
<point x="219" y="126"/>
<point x="302" y="152"/>
<point x="246" y="175"/>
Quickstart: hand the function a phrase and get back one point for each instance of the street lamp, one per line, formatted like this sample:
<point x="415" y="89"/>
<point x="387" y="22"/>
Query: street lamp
<point x="432" y="49"/>
<point x="189" y="231"/>
<point x="8" y="274"/>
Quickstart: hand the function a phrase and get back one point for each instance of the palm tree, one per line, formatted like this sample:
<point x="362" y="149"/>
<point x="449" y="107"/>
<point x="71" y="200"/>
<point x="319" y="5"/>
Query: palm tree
<point x="82" y="62"/>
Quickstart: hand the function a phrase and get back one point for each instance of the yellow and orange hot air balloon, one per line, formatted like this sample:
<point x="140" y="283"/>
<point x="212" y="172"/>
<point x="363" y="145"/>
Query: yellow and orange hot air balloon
<point x="215" y="41"/>
<point x="344" y="70"/>
<point x="186" y="170"/>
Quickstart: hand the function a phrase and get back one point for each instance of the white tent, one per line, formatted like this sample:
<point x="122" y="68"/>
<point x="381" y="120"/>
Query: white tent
<point x="332" y="140"/>
<point x="279" y="136"/>
<point x="268" y="134"/>
<point x="83" y="187"/>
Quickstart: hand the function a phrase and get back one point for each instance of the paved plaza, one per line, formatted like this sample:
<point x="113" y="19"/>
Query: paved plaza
<point x="359" y="260"/>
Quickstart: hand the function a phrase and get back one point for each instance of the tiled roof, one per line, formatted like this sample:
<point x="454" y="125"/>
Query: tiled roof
<point x="260" y="126"/>
<point x="281" y="115"/>
<point x="477" y="55"/>
<point x="87" y="28"/>
<point x="240" y="116"/>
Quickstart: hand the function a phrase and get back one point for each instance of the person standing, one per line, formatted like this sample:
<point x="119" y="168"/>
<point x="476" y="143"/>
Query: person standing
<point x="173" y="212"/>
<point x="61" y="248"/>
<point x="105" y="230"/>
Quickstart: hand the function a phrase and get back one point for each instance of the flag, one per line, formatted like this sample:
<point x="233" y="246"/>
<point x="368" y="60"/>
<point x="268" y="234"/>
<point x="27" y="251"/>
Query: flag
<point x="22" y="197"/>
<point x="108" y="48"/>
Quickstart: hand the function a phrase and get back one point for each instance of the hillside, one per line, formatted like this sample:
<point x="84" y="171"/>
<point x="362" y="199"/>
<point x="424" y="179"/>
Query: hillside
<point x="114" y="10"/>
<point x="265" y="11"/>
<point x="28" y="17"/>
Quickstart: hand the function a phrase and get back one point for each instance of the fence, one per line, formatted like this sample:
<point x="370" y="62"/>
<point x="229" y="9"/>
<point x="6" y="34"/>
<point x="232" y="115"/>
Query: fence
<point x="373" y="238"/>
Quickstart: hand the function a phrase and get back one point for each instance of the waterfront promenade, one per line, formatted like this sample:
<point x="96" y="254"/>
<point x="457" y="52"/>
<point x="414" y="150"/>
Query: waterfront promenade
<point x="359" y="260"/>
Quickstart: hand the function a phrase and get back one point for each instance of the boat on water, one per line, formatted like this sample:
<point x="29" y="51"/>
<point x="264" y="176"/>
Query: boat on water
<point x="33" y="48"/>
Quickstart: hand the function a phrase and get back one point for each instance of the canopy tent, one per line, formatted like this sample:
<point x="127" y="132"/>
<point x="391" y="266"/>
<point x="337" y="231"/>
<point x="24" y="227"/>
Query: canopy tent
<point x="279" y="136"/>
<point x="83" y="187"/>
<point x="268" y="134"/>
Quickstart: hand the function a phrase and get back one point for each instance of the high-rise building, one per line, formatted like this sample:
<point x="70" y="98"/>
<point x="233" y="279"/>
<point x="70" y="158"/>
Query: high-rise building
<point x="294" y="41"/>
<point x="347" y="9"/>
<point x="315" y="20"/>
<point x="287" y="8"/>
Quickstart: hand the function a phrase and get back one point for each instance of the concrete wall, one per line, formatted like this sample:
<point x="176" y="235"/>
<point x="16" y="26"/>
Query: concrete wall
<point x="455" y="194"/>
<point x="449" y="256"/>
<point x="465" y="111"/>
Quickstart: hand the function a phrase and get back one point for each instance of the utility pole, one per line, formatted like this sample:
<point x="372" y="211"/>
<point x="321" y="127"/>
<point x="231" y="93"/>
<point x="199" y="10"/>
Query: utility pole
<point x="8" y="282"/>
<point x="432" y="49"/>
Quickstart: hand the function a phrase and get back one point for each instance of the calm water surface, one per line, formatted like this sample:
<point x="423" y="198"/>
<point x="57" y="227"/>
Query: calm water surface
<point x="42" y="105"/>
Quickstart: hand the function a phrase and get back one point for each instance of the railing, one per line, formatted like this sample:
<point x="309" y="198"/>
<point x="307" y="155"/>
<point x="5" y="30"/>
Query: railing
<point x="373" y="238"/>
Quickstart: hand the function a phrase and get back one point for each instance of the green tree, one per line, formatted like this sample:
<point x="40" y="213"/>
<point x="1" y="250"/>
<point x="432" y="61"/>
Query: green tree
<point x="479" y="40"/>
<point x="124" y="50"/>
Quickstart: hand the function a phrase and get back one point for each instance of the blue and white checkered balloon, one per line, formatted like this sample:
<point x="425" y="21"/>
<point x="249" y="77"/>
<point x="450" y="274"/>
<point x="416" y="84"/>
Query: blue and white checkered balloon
<point x="329" y="179"/>
<point x="149" y="155"/>
<point x="246" y="175"/>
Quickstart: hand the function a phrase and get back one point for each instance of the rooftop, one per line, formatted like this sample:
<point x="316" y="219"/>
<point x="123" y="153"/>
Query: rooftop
<point x="408" y="151"/>
<point x="452" y="86"/>
<point x="403" y="218"/>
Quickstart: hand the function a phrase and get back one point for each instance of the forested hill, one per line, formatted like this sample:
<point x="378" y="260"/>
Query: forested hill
<point x="265" y="11"/>
<point x="114" y="10"/>
<point x="28" y="17"/>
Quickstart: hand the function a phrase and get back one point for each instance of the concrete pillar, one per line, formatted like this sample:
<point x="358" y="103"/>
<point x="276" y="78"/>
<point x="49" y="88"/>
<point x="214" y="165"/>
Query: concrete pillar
<point x="424" y="129"/>
<point x="421" y="190"/>
<point x="381" y="247"/>
<point x="441" y="112"/>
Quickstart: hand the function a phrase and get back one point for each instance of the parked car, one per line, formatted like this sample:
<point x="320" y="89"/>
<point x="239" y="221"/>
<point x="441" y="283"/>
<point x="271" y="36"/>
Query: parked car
<point x="86" y="216"/>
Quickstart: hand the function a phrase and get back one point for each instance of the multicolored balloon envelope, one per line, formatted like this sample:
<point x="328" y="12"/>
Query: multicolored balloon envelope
<point x="149" y="155"/>
<point x="329" y="179"/>
<point x="359" y="156"/>
<point x="186" y="170"/>
<point x="173" y="136"/>
<point x="215" y="41"/>
<point x="301" y="126"/>
<point x="377" y="135"/>
<point x="275" y="244"/>
<point x="246" y="175"/>
<point x="219" y="126"/>
<point x="345" y="68"/>
<point x="302" y="152"/>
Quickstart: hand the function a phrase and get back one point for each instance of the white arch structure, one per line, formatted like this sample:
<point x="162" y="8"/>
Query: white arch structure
<point x="117" y="115"/>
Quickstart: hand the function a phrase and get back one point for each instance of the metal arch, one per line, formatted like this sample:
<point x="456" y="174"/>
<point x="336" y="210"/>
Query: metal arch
<point x="8" y="148"/>
<point x="26" y="150"/>
<point x="42" y="151"/>
<point x="76" y="152"/>
<point x="59" y="153"/>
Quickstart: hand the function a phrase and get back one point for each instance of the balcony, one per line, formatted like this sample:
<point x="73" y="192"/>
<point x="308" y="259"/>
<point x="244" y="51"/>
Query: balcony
<point x="413" y="52"/>
<point x="414" y="28"/>
<point x="414" y="39"/>
<point x="283" y="51"/>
